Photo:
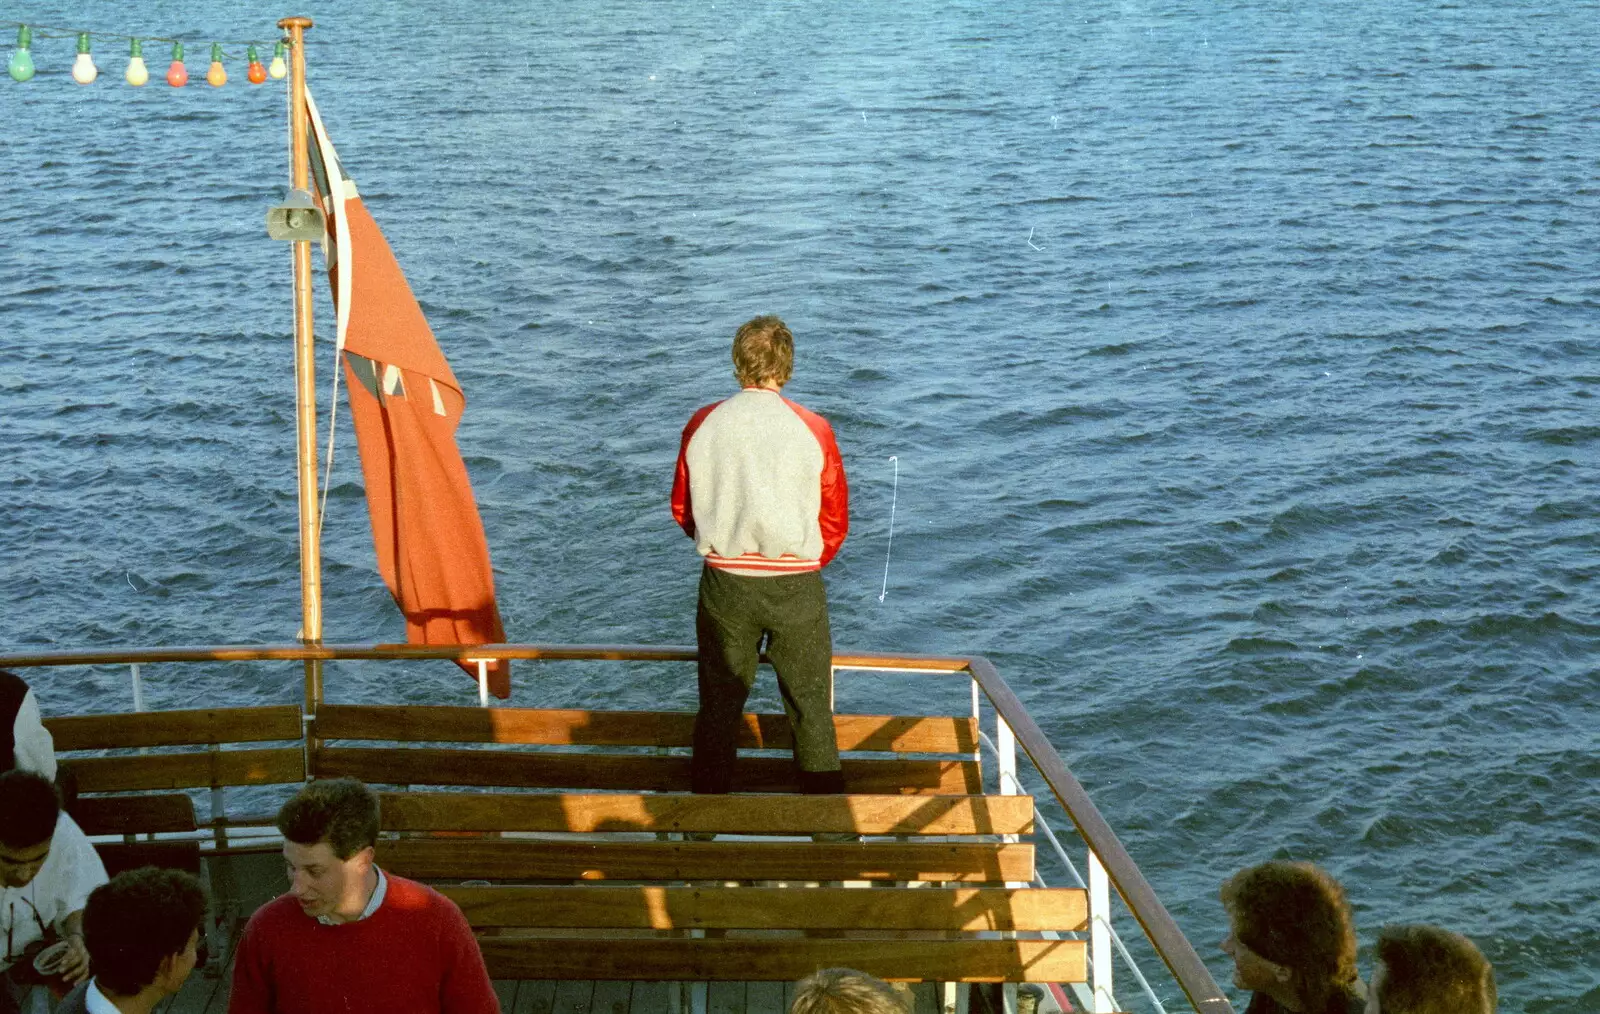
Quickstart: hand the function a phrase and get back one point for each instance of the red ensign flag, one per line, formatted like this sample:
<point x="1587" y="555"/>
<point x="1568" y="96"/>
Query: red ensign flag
<point x="406" y="403"/>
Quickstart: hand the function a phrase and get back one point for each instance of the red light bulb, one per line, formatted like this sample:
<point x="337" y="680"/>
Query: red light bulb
<point x="177" y="73"/>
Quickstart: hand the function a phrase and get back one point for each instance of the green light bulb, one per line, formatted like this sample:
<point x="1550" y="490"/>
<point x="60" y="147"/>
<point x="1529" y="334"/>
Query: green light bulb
<point x="21" y="65"/>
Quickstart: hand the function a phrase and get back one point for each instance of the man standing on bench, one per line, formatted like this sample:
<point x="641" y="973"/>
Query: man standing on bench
<point x="761" y="489"/>
<point x="347" y="936"/>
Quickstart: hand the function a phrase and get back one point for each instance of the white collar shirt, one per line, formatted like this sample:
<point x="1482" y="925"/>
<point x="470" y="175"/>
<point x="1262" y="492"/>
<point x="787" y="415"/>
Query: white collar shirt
<point x="95" y="1002"/>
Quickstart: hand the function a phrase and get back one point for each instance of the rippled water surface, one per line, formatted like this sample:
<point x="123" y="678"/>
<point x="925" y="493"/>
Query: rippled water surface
<point x="1237" y="360"/>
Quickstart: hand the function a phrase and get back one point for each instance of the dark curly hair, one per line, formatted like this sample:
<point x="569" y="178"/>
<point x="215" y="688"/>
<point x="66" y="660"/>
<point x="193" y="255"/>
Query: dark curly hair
<point x="140" y="917"/>
<point x="340" y="811"/>
<point x="1428" y="970"/>
<point x="1295" y="915"/>
<point x="29" y="808"/>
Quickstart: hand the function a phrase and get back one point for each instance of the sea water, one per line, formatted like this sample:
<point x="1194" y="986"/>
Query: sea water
<point x="1236" y="358"/>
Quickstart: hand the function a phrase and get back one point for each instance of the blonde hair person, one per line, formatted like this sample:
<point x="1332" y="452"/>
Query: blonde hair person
<point x="847" y="991"/>
<point x="1428" y="970"/>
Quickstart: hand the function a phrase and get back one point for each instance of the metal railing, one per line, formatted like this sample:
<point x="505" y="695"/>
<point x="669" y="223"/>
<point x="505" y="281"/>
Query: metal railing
<point x="1120" y="870"/>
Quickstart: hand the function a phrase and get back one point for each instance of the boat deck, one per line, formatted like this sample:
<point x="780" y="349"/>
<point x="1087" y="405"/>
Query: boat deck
<point x="206" y="994"/>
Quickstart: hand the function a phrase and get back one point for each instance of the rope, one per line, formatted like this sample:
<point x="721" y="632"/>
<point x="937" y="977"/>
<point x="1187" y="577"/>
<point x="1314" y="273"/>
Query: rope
<point x="57" y="32"/>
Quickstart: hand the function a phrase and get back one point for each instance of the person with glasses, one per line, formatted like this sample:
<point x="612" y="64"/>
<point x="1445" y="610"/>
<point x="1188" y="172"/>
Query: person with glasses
<point x="47" y="870"/>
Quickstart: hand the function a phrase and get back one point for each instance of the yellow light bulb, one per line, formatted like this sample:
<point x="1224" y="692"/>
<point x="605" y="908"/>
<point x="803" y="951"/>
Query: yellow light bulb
<point x="137" y="73"/>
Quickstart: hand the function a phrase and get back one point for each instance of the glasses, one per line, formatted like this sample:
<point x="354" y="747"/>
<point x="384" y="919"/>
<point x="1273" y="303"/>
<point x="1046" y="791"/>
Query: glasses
<point x="12" y="957"/>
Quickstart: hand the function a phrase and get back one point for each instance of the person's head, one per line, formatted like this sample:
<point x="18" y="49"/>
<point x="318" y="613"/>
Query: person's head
<point x="329" y="829"/>
<point x="763" y="353"/>
<point x="846" y="991"/>
<point x="1290" y="933"/>
<point x="142" y="929"/>
<point x="1428" y="970"/>
<point x="29" y="809"/>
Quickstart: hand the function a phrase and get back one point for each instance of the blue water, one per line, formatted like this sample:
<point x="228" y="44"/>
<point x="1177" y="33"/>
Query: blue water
<point x="1236" y="358"/>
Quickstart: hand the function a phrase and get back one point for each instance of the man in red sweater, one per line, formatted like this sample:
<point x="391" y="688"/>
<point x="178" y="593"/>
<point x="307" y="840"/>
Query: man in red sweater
<point x="760" y="487"/>
<point x="349" y="937"/>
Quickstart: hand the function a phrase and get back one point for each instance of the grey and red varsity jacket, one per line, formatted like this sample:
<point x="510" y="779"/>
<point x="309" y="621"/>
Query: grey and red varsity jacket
<point x="760" y="486"/>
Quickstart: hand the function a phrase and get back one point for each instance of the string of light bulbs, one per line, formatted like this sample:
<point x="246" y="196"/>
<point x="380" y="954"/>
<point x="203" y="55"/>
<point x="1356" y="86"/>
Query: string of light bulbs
<point x="84" y="70"/>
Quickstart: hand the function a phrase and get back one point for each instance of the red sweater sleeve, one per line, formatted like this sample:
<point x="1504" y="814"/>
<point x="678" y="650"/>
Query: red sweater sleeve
<point x="464" y="987"/>
<point x="682" y="509"/>
<point x="251" y="992"/>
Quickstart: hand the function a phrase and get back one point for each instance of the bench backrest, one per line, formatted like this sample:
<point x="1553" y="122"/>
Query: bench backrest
<point x="596" y="750"/>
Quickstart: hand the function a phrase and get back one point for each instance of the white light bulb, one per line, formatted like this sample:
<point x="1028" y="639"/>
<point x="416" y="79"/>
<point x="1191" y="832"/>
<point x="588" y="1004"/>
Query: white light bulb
<point x="83" y="69"/>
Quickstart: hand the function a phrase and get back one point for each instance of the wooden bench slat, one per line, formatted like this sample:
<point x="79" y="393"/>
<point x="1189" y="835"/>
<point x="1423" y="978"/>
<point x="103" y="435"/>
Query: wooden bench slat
<point x="661" y="908"/>
<point x="403" y="723"/>
<point x="189" y="770"/>
<point x="175" y="728"/>
<point x="167" y="811"/>
<point x="734" y="814"/>
<point x="171" y="855"/>
<point x="511" y="859"/>
<point x="785" y="959"/>
<point x="528" y="769"/>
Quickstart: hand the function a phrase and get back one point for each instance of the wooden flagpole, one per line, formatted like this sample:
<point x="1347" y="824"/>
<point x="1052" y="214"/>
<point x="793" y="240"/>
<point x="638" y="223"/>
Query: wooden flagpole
<point x="305" y="374"/>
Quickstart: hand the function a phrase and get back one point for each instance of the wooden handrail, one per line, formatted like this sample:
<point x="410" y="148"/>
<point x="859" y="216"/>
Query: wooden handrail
<point x="1169" y="941"/>
<point x="294" y="652"/>
<point x="1158" y="925"/>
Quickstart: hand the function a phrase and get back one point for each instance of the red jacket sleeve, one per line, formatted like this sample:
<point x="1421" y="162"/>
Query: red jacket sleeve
<point x="682" y="509"/>
<point x="834" y="517"/>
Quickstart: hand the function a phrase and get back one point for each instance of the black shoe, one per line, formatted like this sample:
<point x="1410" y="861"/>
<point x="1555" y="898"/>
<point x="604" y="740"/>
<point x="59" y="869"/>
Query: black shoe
<point x="822" y="783"/>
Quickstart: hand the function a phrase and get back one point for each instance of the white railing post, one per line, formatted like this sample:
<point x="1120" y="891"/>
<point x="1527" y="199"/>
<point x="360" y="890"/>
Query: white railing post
<point x="138" y="687"/>
<point x="483" y="681"/>
<point x="1100" y="935"/>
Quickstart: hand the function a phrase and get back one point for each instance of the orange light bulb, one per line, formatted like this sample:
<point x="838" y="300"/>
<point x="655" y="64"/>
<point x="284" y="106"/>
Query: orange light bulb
<point x="217" y="75"/>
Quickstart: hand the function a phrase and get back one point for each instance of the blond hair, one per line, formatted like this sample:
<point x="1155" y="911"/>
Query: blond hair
<point x="763" y="352"/>
<point x="1428" y="970"/>
<point x="847" y="991"/>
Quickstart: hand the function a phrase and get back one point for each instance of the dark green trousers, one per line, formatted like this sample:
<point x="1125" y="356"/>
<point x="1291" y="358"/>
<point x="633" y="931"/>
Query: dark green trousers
<point x="735" y="614"/>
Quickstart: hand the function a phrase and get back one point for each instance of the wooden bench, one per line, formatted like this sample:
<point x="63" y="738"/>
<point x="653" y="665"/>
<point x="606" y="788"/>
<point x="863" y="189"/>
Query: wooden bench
<point x="605" y="750"/>
<point x="566" y="887"/>
<point x="125" y="789"/>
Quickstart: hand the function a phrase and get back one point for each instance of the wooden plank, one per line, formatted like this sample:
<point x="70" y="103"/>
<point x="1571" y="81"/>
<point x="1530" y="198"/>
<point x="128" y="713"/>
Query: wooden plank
<point x="662" y="908"/>
<point x="778" y="959"/>
<point x="175" y="728"/>
<point x="639" y="772"/>
<point x="436" y="724"/>
<point x="118" y="857"/>
<point x="502" y="859"/>
<point x="725" y="998"/>
<point x="535" y="998"/>
<point x="190" y="769"/>
<point x="167" y="811"/>
<point x="194" y="996"/>
<point x="654" y="997"/>
<point x="765" y="998"/>
<point x="572" y="996"/>
<point x="611" y="997"/>
<point x="735" y="814"/>
<point x="505" y="991"/>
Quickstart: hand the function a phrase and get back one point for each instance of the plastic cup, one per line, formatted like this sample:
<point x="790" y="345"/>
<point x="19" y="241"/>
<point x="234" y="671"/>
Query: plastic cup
<point x="48" y="961"/>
